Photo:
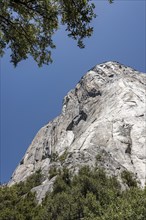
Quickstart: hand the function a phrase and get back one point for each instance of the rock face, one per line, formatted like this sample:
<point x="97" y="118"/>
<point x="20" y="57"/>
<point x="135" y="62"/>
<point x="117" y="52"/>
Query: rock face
<point x="103" y="121"/>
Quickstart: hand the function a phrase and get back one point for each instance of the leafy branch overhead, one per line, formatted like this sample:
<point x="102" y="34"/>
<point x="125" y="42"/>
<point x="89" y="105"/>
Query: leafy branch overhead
<point x="27" y="26"/>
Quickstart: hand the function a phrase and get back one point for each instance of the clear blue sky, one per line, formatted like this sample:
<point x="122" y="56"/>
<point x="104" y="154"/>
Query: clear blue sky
<point x="32" y="96"/>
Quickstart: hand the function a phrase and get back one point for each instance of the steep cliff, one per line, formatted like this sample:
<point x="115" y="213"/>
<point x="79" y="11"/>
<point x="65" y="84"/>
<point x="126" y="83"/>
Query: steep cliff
<point x="103" y="121"/>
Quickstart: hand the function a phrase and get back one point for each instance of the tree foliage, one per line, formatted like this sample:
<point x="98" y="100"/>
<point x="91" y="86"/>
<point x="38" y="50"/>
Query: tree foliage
<point x="27" y="26"/>
<point x="89" y="195"/>
<point x="92" y="195"/>
<point x="18" y="202"/>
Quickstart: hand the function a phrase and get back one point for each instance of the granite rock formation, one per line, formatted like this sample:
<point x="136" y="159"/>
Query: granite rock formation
<point x="103" y="121"/>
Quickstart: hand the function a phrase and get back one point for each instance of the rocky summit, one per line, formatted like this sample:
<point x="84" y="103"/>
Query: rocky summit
<point x="103" y="122"/>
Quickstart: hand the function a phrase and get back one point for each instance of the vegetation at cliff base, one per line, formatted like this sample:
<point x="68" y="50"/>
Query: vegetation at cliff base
<point x="90" y="195"/>
<point x="18" y="202"/>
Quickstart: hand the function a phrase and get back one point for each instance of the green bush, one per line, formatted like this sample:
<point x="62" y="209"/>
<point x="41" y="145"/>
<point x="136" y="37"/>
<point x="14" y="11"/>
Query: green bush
<point x="129" y="178"/>
<point x="89" y="195"/>
<point x="54" y="157"/>
<point x="63" y="157"/>
<point x="18" y="202"/>
<point x="53" y="172"/>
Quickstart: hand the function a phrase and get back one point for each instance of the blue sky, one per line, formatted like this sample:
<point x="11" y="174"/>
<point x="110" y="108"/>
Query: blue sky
<point x="32" y="96"/>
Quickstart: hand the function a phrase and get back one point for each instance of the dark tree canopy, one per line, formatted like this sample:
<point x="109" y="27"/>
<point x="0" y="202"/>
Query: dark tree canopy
<point x="27" y="26"/>
<point x="89" y="195"/>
